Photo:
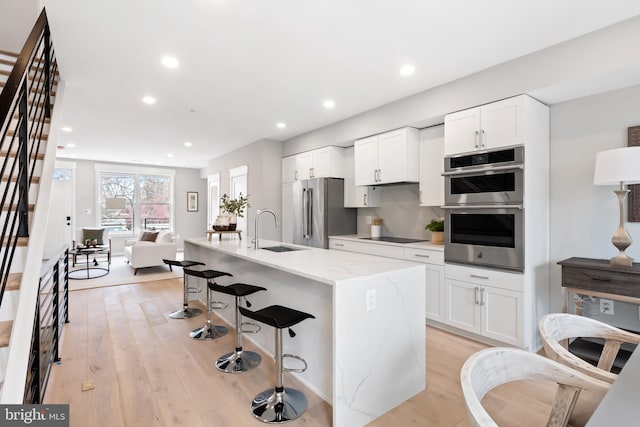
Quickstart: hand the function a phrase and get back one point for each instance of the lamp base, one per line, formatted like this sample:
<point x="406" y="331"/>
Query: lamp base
<point x="621" y="260"/>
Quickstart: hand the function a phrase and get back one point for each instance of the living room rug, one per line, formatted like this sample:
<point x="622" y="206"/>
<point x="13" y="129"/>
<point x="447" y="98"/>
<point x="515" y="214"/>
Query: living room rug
<point x="121" y="273"/>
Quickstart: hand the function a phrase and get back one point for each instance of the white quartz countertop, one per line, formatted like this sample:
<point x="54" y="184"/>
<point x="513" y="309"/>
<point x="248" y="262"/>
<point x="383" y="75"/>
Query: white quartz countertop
<point x="321" y="265"/>
<point x="418" y="245"/>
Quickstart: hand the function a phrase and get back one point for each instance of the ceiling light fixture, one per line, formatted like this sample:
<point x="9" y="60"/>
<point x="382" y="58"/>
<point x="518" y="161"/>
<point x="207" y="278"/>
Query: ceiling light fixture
<point x="281" y="125"/>
<point x="329" y="104"/>
<point x="407" y="70"/>
<point x="71" y="145"/>
<point x="66" y="129"/>
<point x="150" y="100"/>
<point x="170" y="62"/>
<point x="188" y="144"/>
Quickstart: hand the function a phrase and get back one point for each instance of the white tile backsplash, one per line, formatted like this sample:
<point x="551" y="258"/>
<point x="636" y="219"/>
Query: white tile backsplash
<point x="400" y="212"/>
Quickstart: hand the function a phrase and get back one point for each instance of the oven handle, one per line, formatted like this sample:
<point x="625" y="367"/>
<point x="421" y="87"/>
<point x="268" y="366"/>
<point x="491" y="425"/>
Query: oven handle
<point x="482" y="170"/>
<point x="472" y="207"/>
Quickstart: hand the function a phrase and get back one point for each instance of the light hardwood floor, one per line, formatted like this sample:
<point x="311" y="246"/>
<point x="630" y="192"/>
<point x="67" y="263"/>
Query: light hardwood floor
<point x="148" y="372"/>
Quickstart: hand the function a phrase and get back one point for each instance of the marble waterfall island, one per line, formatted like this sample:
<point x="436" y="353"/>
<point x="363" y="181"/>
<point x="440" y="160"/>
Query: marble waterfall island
<point x="366" y="346"/>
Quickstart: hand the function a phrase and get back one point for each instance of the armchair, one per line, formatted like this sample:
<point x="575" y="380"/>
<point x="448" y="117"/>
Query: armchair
<point x="92" y="233"/>
<point x="150" y="249"/>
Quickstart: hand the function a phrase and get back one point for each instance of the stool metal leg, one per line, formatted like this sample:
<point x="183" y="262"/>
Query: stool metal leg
<point x="281" y="404"/>
<point x="208" y="331"/>
<point x="238" y="360"/>
<point x="186" y="312"/>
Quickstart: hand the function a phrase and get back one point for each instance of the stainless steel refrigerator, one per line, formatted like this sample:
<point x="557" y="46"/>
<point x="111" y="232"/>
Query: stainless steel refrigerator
<point x="318" y="209"/>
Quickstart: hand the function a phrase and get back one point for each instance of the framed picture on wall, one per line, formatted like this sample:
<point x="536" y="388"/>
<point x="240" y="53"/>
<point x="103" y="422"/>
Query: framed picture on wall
<point x="192" y="201"/>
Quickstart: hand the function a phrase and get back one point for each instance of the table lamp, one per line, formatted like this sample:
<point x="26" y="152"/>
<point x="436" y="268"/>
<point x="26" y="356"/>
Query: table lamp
<point x="619" y="166"/>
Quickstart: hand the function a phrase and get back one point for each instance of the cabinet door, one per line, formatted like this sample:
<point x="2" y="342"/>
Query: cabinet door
<point x="304" y="163"/>
<point x="462" y="131"/>
<point x="431" y="166"/>
<point x="435" y="292"/>
<point x="321" y="163"/>
<point x="392" y="156"/>
<point x="461" y="309"/>
<point x="502" y="123"/>
<point x="287" y="213"/>
<point x="366" y="160"/>
<point x="502" y="315"/>
<point x="289" y="173"/>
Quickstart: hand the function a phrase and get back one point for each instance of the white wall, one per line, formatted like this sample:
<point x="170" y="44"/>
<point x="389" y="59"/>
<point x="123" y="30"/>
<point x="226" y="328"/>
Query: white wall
<point x="17" y="18"/>
<point x="263" y="159"/>
<point x="584" y="217"/>
<point x="186" y="224"/>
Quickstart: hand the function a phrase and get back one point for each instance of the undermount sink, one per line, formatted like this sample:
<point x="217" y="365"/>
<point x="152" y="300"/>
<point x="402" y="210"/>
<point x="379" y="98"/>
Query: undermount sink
<point x="281" y="249"/>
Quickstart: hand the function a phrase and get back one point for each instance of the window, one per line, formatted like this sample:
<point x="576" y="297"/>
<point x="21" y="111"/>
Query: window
<point x="132" y="201"/>
<point x="214" y="198"/>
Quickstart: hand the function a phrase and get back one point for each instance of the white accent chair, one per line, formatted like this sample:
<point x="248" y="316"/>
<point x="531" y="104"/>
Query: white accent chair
<point x="556" y="328"/>
<point x="489" y="368"/>
<point x="144" y="253"/>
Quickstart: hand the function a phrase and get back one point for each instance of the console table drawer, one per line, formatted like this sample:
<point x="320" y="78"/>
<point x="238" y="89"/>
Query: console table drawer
<point x="599" y="276"/>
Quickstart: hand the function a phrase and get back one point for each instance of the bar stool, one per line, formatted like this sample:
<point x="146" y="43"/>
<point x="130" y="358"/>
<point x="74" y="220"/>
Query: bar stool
<point x="186" y="312"/>
<point x="239" y="360"/>
<point x="209" y="331"/>
<point x="280" y="404"/>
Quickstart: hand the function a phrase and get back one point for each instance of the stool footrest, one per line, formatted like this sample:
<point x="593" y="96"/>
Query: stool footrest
<point x="218" y="305"/>
<point x="257" y="329"/>
<point x="193" y="290"/>
<point x="293" y="356"/>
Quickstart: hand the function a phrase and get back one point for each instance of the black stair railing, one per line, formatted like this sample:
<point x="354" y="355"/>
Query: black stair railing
<point x="25" y="108"/>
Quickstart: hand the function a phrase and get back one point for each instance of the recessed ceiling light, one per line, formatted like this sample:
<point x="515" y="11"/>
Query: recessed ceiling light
<point x="329" y="104"/>
<point x="170" y="62"/>
<point x="281" y="125"/>
<point x="407" y="70"/>
<point x="149" y="100"/>
<point x="170" y="155"/>
<point x="188" y="144"/>
<point x="66" y="129"/>
<point x="71" y="145"/>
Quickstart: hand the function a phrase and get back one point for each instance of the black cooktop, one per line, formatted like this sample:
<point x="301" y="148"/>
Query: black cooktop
<point x="393" y="239"/>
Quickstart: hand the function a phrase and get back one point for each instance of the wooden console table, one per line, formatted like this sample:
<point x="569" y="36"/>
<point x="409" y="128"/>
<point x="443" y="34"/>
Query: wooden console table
<point x="220" y="233"/>
<point x="598" y="278"/>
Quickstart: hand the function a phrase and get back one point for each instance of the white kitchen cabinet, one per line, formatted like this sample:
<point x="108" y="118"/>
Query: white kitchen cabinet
<point x="434" y="264"/>
<point x="326" y="162"/>
<point x="388" y="251"/>
<point x="486" y="302"/>
<point x="286" y="215"/>
<point x="387" y="158"/>
<point x="431" y="166"/>
<point x="499" y="124"/>
<point x="357" y="196"/>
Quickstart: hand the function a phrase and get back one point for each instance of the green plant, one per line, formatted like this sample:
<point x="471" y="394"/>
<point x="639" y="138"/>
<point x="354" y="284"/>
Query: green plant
<point x="435" y="225"/>
<point x="236" y="206"/>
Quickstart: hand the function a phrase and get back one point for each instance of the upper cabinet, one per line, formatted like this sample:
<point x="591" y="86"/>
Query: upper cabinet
<point x="499" y="124"/>
<point x="327" y="162"/>
<point x="357" y="196"/>
<point x="431" y="166"/>
<point x="387" y="158"/>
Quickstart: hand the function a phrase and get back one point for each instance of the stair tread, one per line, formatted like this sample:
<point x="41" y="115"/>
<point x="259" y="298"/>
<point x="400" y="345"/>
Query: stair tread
<point x="7" y="62"/>
<point x="22" y="241"/>
<point x="12" y="133"/>
<point x="34" y="180"/>
<point x="17" y="116"/>
<point x="5" y="332"/>
<point x="5" y="208"/>
<point x="13" y="281"/>
<point x="5" y="153"/>
<point x="8" y="53"/>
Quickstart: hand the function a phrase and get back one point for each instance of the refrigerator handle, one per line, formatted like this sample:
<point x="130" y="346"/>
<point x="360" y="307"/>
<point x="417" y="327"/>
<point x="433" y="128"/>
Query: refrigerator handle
<point x="305" y="201"/>
<point x="309" y="212"/>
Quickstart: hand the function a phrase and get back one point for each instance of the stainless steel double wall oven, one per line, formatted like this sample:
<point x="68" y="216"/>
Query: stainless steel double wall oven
<point x="484" y="212"/>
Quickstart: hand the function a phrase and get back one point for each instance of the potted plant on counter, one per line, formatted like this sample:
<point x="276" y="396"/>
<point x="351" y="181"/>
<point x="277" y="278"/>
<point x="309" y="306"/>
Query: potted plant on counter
<point x="234" y="208"/>
<point x="436" y="227"/>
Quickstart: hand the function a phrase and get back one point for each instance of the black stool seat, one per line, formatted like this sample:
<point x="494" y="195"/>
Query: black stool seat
<point x="182" y="264"/>
<point x="206" y="274"/>
<point x="236" y="289"/>
<point x="277" y="316"/>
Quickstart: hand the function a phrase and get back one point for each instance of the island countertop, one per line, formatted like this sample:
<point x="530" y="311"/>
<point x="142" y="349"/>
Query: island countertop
<point x="322" y="265"/>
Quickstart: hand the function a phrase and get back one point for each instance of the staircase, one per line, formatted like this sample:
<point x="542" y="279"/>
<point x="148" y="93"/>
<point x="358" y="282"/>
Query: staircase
<point x="30" y="305"/>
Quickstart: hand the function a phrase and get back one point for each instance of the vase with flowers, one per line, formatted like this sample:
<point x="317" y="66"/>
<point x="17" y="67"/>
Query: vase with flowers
<point x="436" y="227"/>
<point x="234" y="208"/>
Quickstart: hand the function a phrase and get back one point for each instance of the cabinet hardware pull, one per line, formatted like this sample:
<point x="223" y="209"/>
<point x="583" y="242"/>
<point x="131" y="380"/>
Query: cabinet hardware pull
<point x="339" y="244"/>
<point x="601" y="279"/>
<point x="375" y="175"/>
<point x="475" y="139"/>
<point x="311" y="172"/>
<point x="482" y="296"/>
<point x="295" y="177"/>
<point x="421" y="256"/>
<point x="475" y="295"/>
<point x="364" y="199"/>
<point x="479" y="277"/>
<point x="482" y="138"/>
<point x="379" y="175"/>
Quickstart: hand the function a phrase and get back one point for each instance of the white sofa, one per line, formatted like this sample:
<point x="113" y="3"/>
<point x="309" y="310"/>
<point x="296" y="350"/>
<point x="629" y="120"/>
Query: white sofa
<point x="143" y="253"/>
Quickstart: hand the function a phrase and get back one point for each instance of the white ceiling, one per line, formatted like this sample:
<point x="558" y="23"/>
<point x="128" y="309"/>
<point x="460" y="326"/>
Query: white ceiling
<point x="246" y="65"/>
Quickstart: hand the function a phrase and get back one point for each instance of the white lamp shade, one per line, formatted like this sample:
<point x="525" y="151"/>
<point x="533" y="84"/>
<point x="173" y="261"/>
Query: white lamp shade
<point x="620" y="165"/>
<point x="115" y="203"/>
